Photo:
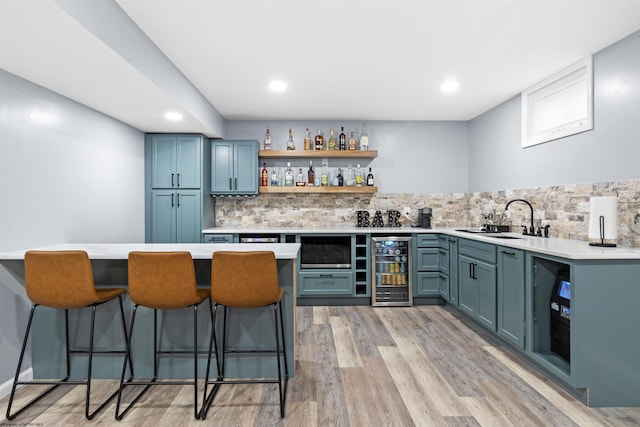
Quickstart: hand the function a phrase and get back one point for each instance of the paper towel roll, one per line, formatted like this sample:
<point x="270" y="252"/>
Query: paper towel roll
<point x="607" y="207"/>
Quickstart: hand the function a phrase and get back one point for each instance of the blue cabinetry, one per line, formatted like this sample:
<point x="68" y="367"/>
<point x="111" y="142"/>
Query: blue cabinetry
<point x="234" y="167"/>
<point x="477" y="281"/>
<point x="431" y="266"/>
<point x="511" y="291"/>
<point x="326" y="283"/>
<point x="177" y="203"/>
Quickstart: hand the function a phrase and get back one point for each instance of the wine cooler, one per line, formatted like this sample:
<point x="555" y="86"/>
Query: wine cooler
<point x="391" y="264"/>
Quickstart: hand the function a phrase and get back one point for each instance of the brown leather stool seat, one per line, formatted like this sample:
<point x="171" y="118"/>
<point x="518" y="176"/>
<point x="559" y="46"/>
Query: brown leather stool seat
<point x="246" y="280"/>
<point x="163" y="281"/>
<point x="64" y="280"/>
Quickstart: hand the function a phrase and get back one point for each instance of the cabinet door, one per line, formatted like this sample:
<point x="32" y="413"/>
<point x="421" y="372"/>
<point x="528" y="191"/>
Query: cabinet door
<point x="453" y="271"/>
<point x="443" y="260"/>
<point x="428" y="259"/>
<point x="188" y="216"/>
<point x="245" y="167"/>
<point x="163" y="216"/>
<point x="444" y="286"/>
<point x="511" y="295"/>
<point x="486" y="282"/>
<point x="222" y="167"/>
<point x="163" y="161"/>
<point x="467" y="288"/>
<point x="188" y="162"/>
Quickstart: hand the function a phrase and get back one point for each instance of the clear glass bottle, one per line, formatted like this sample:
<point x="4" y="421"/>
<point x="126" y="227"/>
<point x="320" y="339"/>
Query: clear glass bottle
<point x="311" y="174"/>
<point x="307" y="140"/>
<point x="300" y="179"/>
<point x="351" y="177"/>
<point x="342" y="139"/>
<point x="264" y="176"/>
<point x="274" y="177"/>
<point x="319" y="140"/>
<point x="358" y="176"/>
<point x="267" y="140"/>
<point x="364" y="138"/>
<point x="290" y="144"/>
<point x="352" y="141"/>
<point x="331" y="145"/>
<point x="288" y="176"/>
<point x="370" y="178"/>
<point x="324" y="179"/>
<point x="280" y="178"/>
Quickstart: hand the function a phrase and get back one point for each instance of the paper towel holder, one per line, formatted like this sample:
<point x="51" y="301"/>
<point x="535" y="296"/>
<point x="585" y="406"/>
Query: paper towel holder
<point x="603" y="212"/>
<point x="602" y="243"/>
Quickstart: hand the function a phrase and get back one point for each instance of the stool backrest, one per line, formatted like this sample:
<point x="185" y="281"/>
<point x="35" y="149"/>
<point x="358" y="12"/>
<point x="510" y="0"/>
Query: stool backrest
<point x="162" y="280"/>
<point x="245" y="279"/>
<point x="59" y="279"/>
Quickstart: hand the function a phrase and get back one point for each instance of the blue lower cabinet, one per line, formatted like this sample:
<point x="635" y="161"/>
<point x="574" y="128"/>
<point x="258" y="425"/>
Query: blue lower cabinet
<point x="427" y="284"/>
<point x="327" y="283"/>
<point x="217" y="238"/>
<point x="176" y="216"/>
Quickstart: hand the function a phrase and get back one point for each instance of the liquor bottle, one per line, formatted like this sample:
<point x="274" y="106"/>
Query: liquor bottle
<point x="364" y="138"/>
<point x="342" y="140"/>
<point x="324" y="179"/>
<point x="340" y="177"/>
<point x="352" y="141"/>
<point x="311" y="174"/>
<point x="290" y="144"/>
<point x="370" y="178"/>
<point x="351" y="178"/>
<point x="288" y="176"/>
<point x="267" y="140"/>
<point x="274" y="177"/>
<point x="264" y="176"/>
<point x="280" y="178"/>
<point x="319" y="141"/>
<point x="300" y="179"/>
<point x="331" y="145"/>
<point x="307" y="140"/>
<point x="358" y="176"/>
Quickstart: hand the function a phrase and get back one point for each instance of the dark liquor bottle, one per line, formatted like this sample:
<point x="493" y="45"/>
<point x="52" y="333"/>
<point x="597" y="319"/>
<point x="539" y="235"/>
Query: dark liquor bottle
<point x="370" y="178"/>
<point x="265" y="176"/>
<point x="340" y="177"/>
<point x="342" y="140"/>
<point x="311" y="175"/>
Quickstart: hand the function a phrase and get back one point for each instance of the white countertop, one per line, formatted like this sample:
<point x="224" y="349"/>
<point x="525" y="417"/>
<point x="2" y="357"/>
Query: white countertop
<point x="563" y="248"/>
<point x="198" y="250"/>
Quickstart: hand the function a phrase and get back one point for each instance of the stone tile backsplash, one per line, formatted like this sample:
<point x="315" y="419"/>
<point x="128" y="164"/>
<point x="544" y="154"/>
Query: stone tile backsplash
<point x="564" y="208"/>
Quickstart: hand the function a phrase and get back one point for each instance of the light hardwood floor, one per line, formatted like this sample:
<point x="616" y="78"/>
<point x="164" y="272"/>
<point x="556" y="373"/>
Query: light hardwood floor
<point x="367" y="366"/>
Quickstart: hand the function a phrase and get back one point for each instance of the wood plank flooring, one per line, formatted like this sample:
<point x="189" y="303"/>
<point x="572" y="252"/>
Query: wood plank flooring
<point x="366" y="366"/>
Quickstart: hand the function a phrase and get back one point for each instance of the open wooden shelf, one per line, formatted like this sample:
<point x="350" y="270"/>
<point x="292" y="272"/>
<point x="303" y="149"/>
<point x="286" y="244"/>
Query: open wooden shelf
<point x="320" y="190"/>
<point x="318" y="154"/>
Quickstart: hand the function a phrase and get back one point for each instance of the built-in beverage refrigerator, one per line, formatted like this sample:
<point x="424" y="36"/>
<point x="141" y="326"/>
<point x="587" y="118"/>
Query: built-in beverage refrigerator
<point x="391" y="264"/>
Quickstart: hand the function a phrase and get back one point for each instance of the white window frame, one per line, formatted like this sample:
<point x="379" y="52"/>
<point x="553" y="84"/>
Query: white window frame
<point x="559" y="106"/>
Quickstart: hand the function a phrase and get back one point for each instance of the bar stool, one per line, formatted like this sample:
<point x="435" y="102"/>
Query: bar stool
<point x="163" y="281"/>
<point x="246" y="280"/>
<point x="64" y="280"/>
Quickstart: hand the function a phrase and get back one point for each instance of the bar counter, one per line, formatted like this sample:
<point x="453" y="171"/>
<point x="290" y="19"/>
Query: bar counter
<point x="109" y="262"/>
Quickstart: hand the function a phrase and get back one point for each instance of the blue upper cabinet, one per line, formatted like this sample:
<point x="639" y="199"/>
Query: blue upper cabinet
<point x="176" y="161"/>
<point x="234" y="167"/>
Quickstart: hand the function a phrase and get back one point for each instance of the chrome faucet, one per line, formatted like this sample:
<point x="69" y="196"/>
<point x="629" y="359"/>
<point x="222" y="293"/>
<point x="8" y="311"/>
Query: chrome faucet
<point x="532" y="228"/>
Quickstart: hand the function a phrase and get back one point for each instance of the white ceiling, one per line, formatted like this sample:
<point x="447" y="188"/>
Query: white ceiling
<point x="341" y="59"/>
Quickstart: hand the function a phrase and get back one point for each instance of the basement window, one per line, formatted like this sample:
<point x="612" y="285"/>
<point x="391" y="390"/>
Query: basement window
<point x="559" y="106"/>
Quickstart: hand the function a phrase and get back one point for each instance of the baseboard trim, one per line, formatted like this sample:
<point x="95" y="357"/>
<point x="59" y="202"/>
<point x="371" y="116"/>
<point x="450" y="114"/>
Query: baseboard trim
<point x="5" y="388"/>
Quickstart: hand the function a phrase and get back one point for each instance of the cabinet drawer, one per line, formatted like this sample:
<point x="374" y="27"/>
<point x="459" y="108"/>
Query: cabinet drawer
<point x="478" y="250"/>
<point x="428" y="284"/>
<point x="326" y="284"/>
<point x="428" y="259"/>
<point x="427" y="241"/>
<point x="217" y="238"/>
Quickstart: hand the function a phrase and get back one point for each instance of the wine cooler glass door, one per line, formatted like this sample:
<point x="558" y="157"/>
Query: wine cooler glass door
<point x="391" y="271"/>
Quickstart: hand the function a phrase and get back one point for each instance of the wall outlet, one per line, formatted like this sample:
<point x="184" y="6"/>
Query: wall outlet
<point x="407" y="212"/>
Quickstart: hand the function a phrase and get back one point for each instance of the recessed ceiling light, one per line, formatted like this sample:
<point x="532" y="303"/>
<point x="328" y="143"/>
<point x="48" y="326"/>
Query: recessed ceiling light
<point x="277" y="85"/>
<point x="173" y="116"/>
<point x="450" y="86"/>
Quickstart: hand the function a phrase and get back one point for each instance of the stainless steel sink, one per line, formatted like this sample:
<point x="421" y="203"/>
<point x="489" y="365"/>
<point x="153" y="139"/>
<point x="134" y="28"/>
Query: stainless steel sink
<point x="503" y="237"/>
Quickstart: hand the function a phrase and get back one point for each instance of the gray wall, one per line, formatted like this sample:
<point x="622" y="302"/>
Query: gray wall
<point x="413" y="156"/>
<point x="76" y="178"/>
<point x="609" y="152"/>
